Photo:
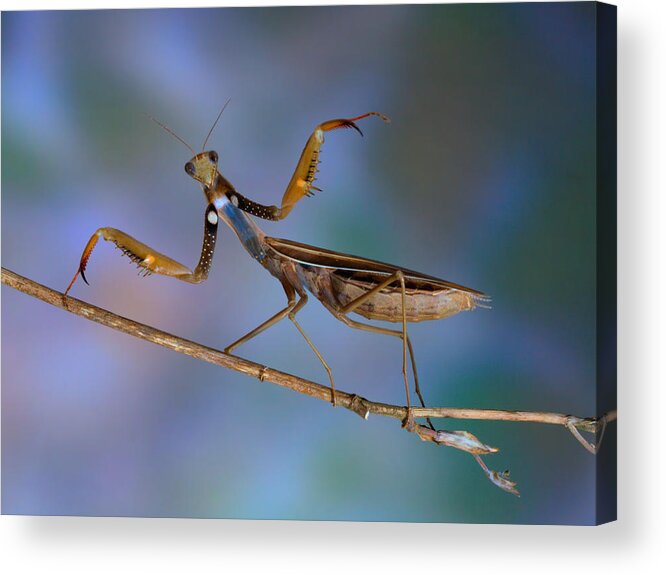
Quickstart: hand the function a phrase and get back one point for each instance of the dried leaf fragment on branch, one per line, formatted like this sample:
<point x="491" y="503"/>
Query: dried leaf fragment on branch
<point x="461" y="440"/>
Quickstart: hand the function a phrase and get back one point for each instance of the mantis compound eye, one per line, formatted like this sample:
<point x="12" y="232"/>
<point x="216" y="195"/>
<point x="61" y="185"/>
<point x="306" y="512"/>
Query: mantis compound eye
<point x="213" y="157"/>
<point x="189" y="168"/>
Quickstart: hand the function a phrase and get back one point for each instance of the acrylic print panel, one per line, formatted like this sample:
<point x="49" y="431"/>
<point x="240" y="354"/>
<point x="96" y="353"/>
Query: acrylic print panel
<point x="496" y="172"/>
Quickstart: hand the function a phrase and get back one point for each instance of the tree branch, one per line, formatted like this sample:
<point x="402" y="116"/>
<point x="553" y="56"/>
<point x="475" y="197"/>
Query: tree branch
<point x="361" y="406"/>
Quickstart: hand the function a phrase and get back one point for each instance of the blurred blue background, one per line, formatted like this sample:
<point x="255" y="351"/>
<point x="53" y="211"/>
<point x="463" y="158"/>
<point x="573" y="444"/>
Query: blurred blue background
<point x="485" y="177"/>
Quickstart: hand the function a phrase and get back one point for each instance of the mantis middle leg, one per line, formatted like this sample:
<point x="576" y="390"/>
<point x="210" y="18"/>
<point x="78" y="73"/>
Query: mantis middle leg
<point x="292" y="316"/>
<point x="279" y="316"/>
<point x="292" y="308"/>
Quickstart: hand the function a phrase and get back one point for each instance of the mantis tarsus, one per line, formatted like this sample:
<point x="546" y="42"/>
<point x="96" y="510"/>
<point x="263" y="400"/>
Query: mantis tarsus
<point x="341" y="282"/>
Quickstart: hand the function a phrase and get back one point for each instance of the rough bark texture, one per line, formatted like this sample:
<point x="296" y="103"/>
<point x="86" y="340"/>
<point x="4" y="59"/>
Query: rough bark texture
<point x="359" y="405"/>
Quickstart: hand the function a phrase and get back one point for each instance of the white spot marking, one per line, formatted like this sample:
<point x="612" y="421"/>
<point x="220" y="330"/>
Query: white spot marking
<point x="234" y="200"/>
<point x="212" y="217"/>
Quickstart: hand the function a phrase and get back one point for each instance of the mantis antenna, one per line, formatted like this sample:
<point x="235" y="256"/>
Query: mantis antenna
<point x="214" y="124"/>
<point x="166" y="128"/>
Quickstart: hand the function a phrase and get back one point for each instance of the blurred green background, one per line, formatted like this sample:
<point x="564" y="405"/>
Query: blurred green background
<point x="486" y="177"/>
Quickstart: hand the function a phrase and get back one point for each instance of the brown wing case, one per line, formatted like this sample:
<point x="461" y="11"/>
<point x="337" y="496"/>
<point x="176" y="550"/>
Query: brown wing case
<point x="321" y="257"/>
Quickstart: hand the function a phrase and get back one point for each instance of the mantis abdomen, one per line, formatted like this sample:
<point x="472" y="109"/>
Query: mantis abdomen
<point x="386" y="305"/>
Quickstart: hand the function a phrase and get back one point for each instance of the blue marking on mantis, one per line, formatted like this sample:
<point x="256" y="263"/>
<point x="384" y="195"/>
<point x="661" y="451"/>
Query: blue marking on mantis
<point x="247" y="231"/>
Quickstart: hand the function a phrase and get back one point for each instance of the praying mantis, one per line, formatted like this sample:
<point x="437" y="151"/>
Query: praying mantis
<point x="342" y="283"/>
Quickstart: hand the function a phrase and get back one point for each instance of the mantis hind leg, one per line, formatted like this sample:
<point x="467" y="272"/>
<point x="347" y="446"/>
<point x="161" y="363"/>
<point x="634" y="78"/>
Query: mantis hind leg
<point x="341" y="314"/>
<point x="394" y="333"/>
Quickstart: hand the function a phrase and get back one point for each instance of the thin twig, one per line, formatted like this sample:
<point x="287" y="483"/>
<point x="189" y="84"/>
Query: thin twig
<point x="361" y="406"/>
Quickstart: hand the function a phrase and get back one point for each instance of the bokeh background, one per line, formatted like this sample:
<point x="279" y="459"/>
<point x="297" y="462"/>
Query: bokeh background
<point x="485" y="177"/>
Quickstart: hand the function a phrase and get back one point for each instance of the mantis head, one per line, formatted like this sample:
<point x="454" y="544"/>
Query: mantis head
<point x="203" y="167"/>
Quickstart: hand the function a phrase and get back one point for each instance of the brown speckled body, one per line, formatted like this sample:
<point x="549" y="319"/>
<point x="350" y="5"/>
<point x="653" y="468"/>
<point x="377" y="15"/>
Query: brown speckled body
<point x="307" y="267"/>
<point x="342" y="283"/>
<point x="420" y="304"/>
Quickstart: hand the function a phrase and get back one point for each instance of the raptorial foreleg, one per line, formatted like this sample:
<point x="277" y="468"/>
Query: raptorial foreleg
<point x="302" y="181"/>
<point x="149" y="260"/>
